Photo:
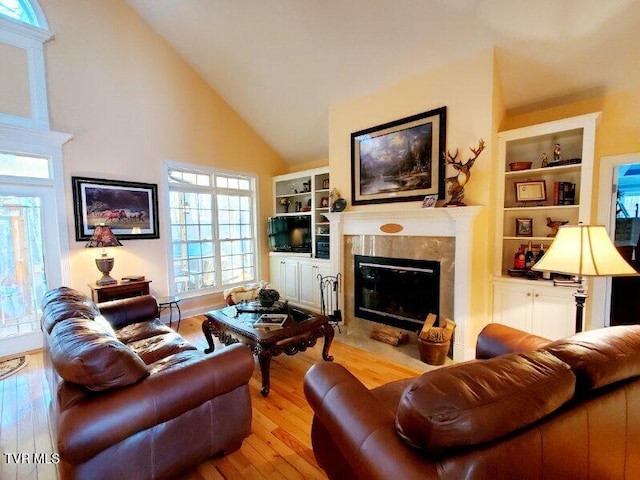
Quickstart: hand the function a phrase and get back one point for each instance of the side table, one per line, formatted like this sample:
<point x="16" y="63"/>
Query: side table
<point x="170" y="303"/>
<point x="116" y="291"/>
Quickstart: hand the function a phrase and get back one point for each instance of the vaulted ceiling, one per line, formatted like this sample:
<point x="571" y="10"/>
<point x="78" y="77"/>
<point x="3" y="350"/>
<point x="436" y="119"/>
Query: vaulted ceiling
<point x="281" y="64"/>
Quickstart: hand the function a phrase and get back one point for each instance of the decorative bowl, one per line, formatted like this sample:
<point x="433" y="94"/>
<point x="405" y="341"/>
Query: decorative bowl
<point x="515" y="166"/>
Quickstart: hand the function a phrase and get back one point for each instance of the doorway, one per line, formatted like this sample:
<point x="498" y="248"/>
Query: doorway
<point x="28" y="264"/>
<point x="615" y="299"/>
<point x="625" y="308"/>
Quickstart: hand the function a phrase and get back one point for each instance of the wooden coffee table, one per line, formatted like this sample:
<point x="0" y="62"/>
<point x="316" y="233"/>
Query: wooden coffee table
<point x="300" y="331"/>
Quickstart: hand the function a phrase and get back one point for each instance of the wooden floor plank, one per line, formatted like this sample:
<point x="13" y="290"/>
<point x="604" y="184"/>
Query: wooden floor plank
<point x="279" y="446"/>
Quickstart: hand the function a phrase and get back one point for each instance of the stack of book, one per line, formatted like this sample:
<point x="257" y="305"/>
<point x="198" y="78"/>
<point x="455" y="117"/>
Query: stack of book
<point x="564" y="193"/>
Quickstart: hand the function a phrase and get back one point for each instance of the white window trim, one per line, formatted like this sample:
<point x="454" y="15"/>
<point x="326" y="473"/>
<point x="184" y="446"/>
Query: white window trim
<point x="205" y="170"/>
<point x="47" y="144"/>
<point x="31" y="39"/>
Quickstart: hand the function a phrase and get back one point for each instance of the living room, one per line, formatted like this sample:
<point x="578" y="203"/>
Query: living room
<point x="122" y="101"/>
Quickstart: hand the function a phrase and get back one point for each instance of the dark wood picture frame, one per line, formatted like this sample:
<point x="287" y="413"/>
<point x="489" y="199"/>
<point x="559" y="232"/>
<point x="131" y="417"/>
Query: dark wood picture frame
<point x="524" y="227"/>
<point x="129" y="208"/>
<point x="400" y="161"/>
<point x="531" y="191"/>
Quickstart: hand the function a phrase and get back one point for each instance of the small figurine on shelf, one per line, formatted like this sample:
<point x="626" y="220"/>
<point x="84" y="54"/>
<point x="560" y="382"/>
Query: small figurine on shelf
<point x="285" y="202"/>
<point x="544" y="160"/>
<point x="554" y="225"/>
<point x="557" y="152"/>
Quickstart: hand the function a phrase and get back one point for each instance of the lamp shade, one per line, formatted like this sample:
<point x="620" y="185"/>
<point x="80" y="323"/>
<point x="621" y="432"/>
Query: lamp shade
<point x="103" y="237"/>
<point x="584" y="250"/>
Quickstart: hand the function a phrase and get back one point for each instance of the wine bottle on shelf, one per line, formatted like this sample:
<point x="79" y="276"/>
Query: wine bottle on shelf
<point x="518" y="259"/>
<point x="529" y="259"/>
<point x="545" y="275"/>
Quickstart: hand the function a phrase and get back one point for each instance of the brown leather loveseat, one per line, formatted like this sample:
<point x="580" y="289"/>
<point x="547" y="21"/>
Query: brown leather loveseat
<point x="130" y="398"/>
<point x="527" y="408"/>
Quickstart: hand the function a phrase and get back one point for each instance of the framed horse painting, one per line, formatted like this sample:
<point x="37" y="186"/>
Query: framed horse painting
<point x="129" y="208"/>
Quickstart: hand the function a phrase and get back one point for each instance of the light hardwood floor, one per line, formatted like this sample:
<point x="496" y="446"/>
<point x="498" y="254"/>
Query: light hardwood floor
<point x="279" y="446"/>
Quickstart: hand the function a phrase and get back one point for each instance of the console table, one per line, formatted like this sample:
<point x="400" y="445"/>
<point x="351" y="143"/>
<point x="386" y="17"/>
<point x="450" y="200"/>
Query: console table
<point x="116" y="291"/>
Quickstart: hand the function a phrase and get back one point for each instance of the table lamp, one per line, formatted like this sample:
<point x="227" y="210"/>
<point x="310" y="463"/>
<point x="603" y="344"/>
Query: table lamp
<point x="583" y="251"/>
<point x="103" y="237"/>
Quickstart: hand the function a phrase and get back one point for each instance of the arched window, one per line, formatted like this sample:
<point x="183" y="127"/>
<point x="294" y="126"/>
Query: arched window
<point x="19" y="10"/>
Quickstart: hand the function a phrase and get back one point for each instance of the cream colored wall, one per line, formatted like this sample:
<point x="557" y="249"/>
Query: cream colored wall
<point x="466" y="88"/>
<point x="297" y="167"/>
<point x="14" y="81"/>
<point x="130" y="102"/>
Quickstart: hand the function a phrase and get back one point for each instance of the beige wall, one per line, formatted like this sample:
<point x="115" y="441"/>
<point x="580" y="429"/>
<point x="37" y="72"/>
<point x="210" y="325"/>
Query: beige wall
<point x="466" y="88"/>
<point x="130" y="102"/>
<point x="296" y="167"/>
<point x="14" y="81"/>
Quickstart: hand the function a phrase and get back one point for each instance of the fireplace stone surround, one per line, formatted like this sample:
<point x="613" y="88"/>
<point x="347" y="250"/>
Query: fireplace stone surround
<point x="442" y="234"/>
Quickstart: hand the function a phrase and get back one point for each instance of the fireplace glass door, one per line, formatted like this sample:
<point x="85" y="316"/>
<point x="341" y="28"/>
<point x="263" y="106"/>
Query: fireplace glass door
<point x="396" y="291"/>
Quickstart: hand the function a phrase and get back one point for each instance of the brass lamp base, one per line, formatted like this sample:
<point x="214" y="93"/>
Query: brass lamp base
<point x="105" y="265"/>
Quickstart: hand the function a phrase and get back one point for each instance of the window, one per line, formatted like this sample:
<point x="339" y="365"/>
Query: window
<point x="213" y="239"/>
<point x="20" y="10"/>
<point x="23" y="166"/>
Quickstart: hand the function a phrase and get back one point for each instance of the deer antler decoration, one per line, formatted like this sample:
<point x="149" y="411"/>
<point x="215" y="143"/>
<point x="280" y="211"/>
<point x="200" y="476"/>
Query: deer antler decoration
<point x="458" y="181"/>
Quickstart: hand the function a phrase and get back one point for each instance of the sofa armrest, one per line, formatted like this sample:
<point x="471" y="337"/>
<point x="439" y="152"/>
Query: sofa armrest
<point x="361" y="427"/>
<point x="104" y="419"/>
<point x="120" y="313"/>
<point x="496" y="339"/>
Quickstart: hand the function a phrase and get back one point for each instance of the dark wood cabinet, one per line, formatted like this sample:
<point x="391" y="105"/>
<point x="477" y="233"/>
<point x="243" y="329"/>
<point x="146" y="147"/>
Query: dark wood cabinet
<point x="119" y="290"/>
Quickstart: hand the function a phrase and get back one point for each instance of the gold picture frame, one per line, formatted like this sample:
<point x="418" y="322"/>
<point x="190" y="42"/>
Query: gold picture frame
<point x="531" y="191"/>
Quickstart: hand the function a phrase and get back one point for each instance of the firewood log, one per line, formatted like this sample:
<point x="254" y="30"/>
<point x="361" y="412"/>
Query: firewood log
<point x="390" y="335"/>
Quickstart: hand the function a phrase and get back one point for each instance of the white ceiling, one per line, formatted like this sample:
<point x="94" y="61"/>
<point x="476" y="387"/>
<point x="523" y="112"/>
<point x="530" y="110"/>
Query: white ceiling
<point x="282" y="63"/>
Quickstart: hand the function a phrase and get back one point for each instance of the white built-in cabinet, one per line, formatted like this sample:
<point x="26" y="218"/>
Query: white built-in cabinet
<point x="306" y="193"/>
<point x="296" y="278"/>
<point x="537" y="306"/>
<point x="295" y="275"/>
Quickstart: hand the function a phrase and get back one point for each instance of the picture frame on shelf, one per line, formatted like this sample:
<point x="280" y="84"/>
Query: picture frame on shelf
<point x="531" y="191"/>
<point x="524" y="227"/>
<point x="129" y="208"/>
<point x="429" y="201"/>
<point x="324" y="202"/>
<point x="399" y="161"/>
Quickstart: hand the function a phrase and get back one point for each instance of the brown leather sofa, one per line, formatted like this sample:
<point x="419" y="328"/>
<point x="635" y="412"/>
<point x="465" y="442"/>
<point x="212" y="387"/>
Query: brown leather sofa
<point x="527" y="408"/>
<point x="130" y="398"/>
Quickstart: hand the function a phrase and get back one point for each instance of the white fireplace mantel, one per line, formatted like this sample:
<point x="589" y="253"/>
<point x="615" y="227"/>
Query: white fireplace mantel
<point x="427" y="222"/>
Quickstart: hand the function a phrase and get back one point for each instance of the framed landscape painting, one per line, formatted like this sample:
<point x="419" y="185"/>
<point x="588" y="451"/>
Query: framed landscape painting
<point x="129" y="208"/>
<point x="399" y="161"/>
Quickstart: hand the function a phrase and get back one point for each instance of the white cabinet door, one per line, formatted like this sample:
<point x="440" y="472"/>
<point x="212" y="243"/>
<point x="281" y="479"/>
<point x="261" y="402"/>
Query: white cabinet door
<point x="289" y="271"/>
<point x="554" y="313"/>
<point x="543" y="310"/>
<point x="308" y="283"/>
<point x="276" y="278"/>
<point x="512" y="305"/>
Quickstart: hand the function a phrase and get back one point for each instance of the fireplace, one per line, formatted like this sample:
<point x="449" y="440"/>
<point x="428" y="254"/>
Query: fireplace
<point x="443" y="234"/>
<point x="396" y="291"/>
